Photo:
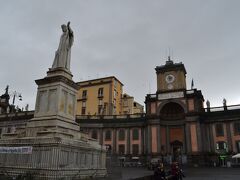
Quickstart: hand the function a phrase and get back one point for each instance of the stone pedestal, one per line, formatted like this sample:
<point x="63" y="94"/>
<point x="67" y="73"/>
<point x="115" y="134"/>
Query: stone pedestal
<point x="55" y="108"/>
<point x="59" y="150"/>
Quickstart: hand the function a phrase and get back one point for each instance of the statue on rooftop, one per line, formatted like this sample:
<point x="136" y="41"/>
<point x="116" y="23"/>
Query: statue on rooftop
<point x="6" y="90"/>
<point x="224" y="102"/>
<point x="63" y="53"/>
<point x="208" y="104"/>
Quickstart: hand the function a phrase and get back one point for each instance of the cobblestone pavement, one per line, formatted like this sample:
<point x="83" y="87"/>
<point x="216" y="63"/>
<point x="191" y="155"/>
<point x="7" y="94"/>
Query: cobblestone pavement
<point x="191" y="173"/>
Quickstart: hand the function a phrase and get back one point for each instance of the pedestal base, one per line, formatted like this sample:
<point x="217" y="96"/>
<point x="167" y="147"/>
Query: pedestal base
<point x="54" y="158"/>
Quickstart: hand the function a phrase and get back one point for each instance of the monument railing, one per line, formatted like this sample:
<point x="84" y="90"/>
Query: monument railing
<point x="222" y="108"/>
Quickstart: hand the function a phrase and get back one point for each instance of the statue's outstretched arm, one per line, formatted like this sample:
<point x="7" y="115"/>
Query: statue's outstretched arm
<point x="69" y="29"/>
<point x="70" y="32"/>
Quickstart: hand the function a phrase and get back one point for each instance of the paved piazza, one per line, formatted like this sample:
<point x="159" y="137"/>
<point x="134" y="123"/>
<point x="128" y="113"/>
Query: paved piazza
<point x="191" y="173"/>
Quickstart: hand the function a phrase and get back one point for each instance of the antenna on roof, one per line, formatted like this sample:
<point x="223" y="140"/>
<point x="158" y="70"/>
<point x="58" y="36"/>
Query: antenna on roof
<point x="169" y="53"/>
<point x="192" y="84"/>
<point x="149" y="88"/>
<point x="166" y="53"/>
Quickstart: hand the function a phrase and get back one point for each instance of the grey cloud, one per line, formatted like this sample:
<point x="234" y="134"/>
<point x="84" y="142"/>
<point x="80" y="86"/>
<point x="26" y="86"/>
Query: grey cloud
<point x="126" y="39"/>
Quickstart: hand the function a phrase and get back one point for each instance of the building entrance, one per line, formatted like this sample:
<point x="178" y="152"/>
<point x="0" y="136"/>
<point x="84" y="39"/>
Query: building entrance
<point x="177" y="147"/>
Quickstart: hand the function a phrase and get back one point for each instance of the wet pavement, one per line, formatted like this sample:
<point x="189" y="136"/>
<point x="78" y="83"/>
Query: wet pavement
<point x="191" y="173"/>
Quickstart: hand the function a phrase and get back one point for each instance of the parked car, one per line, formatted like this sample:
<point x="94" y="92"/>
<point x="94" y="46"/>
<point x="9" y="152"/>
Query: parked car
<point x="154" y="162"/>
<point x="134" y="162"/>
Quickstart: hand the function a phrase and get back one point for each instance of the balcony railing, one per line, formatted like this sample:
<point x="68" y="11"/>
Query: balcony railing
<point x="132" y="116"/>
<point x="222" y="108"/>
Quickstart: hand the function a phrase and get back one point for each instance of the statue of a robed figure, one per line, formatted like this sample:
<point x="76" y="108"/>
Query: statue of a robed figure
<point x="63" y="53"/>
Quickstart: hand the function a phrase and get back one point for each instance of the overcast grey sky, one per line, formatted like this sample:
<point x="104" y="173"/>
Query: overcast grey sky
<point x="124" y="38"/>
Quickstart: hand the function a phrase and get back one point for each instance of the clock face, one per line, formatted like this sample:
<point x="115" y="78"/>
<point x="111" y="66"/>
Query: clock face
<point x="169" y="78"/>
<point x="170" y="86"/>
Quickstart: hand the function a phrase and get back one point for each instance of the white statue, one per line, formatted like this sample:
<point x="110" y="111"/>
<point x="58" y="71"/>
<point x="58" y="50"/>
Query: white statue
<point x="63" y="53"/>
<point x="208" y="104"/>
<point x="26" y="107"/>
<point x="224" y="102"/>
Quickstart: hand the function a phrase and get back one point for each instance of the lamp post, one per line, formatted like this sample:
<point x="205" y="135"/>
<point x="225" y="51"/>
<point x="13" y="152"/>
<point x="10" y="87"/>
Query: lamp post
<point x="16" y="94"/>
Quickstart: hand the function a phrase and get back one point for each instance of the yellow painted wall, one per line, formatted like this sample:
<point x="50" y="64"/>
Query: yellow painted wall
<point x="92" y="100"/>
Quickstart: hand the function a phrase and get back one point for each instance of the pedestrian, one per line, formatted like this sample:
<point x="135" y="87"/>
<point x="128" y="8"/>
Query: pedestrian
<point x="174" y="172"/>
<point x="179" y="173"/>
<point x="159" y="173"/>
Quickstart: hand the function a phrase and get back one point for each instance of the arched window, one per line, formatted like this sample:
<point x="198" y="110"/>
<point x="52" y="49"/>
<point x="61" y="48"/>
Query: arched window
<point x="135" y="134"/>
<point x="94" y="134"/>
<point x="172" y="110"/>
<point x="121" y="135"/>
<point x="108" y="135"/>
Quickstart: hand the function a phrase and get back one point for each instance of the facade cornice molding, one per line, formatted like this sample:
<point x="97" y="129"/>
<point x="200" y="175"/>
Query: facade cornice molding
<point x="58" y="78"/>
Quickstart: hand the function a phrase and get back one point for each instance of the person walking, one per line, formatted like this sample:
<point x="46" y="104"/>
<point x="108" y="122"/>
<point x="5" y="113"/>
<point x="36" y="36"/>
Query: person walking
<point x="159" y="173"/>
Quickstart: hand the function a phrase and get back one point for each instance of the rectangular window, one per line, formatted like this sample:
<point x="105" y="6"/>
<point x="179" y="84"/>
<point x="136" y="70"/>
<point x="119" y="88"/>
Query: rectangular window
<point x="121" y="149"/>
<point x="219" y="130"/>
<point x="238" y="146"/>
<point x="83" y="110"/>
<point x="121" y="135"/>
<point x="108" y="135"/>
<point x="100" y="102"/>
<point x="84" y="104"/>
<point x="84" y="94"/>
<point x="100" y="92"/>
<point x="135" y="134"/>
<point x="135" y="149"/>
<point x="115" y="93"/>
<point x="237" y="128"/>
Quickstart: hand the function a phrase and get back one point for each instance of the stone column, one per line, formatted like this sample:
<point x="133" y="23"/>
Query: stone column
<point x="159" y="138"/>
<point x="212" y="145"/>
<point x="149" y="137"/>
<point x="114" y="141"/>
<point x="188" y="138"/>
<point x="142" y="141"/>
<point x="229" y="137"/>
<point x="184" y="141"/>
<point x="128" y="141"/>
<point x="199" y="137"/>
<point x="168" y="150"/>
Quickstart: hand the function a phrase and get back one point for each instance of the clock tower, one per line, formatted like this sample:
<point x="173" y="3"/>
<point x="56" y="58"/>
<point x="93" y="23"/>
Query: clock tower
<point x="171" y="77"/>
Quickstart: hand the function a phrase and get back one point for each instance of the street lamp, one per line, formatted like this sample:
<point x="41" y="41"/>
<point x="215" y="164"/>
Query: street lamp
<point x="16" y="94"/>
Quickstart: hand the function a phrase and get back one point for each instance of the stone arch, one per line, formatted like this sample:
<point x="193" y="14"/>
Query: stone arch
<point x="172" y="109"/>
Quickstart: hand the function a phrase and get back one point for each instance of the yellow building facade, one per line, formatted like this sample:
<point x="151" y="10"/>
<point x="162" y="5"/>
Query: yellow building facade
<point x="100" y="97"/>
<point x="129" y="106"/>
